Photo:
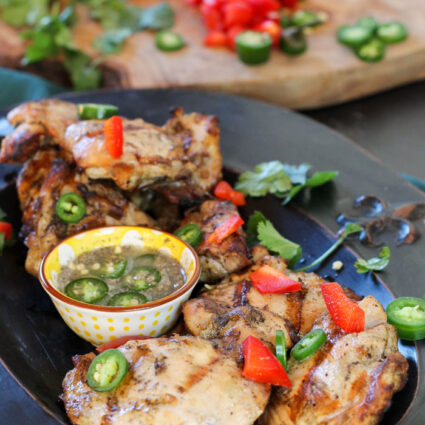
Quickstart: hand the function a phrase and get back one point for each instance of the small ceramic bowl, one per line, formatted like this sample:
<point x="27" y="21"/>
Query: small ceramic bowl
<point x="98" y="324"/>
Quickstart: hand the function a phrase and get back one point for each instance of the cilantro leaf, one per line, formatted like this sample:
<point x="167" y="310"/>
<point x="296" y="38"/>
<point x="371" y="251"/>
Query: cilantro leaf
<point x="157" y="17"/>
<point x="252" y="227"/>
<point x="351" y="228"/>
<point x="270" y="238"/>
<point x="85" y="75"/>
<point x="297" y="173"/>
<point x="374" y="264"/>
<point x="111" y="41"/>
<point x="317" y="179"/>
<point x="268" y="177"/>
<point x="18" y="13"/>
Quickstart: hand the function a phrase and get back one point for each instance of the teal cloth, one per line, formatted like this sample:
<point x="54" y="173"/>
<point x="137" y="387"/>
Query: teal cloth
<point x="17" y="86"/>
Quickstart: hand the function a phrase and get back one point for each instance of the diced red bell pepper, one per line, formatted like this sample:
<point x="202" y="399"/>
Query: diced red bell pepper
<point x="272" y="28"/>
<point x="225" y="229"/>
<point x="237" y="13"/>
<point x="268" y="280"/>
<point x="261" y="366"/>
<point x="232" y="33"/>
<point x="263" y="7"/>
<point x="216" y="39"/>
<point x="115" y="343"/>
<point x="290" y="4"/>
<point x="114" y="136"/>
<point x="346" y="313"/>
<point x="6" y="229"/>
<point x="224" y="191"/>
<point x="213" y="19"/>
<point x="192" y="2"/>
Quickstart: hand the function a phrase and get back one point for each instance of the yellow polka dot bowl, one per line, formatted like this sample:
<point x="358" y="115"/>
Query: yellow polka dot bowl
<point x="99" y="324"/>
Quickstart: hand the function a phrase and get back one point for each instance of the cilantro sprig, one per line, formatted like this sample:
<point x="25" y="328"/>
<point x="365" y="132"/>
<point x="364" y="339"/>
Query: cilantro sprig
<point x="350" y="229"/>
<point x="282" y="180"/>
<point x="374" y="264"/>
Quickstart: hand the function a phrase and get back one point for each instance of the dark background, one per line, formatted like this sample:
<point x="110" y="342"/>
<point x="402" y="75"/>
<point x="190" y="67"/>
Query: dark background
<point x="390" y="125"/>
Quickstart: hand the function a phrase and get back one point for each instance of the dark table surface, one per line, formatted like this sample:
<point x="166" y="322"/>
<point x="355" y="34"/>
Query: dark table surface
<point x="390" y="125"/>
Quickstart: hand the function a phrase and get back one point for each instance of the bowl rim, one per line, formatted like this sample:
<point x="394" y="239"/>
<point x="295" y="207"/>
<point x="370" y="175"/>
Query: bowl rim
<point x="52" y="291"/>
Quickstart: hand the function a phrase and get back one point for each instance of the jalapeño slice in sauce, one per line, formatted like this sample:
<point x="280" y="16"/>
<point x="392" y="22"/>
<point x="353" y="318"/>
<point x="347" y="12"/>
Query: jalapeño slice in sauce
<point x="86" y="289"/>
<point x="112" y="267"/>
<point x="308" y="345"/>
<point x="127" y="299"/>
<point x="70" y="208"/>
<point x="407" y="314"/>
<point x="142" y="277"/>
<point x="107" y="370"/>
<point x="190" y="233"/>
<point x="147" y="258"/>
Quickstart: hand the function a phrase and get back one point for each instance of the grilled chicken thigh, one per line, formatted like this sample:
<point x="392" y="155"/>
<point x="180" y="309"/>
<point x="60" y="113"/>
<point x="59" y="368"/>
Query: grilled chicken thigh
<point x="178" y="380"/>
<point x="350" y="380"/>
<point x="40" y="184"/>
<point x="218" y="260"/>
<point x="234" y="309"/>
<point x="182" y="158"/>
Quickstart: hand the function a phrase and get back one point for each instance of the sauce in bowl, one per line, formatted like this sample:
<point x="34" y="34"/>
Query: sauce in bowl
<point x="121" y="276"/>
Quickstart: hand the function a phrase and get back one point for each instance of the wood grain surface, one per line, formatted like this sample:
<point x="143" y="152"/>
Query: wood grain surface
<point x="327" y="74"/>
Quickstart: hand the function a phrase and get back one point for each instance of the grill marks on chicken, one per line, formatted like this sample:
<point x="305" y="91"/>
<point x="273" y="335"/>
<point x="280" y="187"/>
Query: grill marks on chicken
<point x="234" y="309"/>
<point x="41" y="183"/>
<point x="181" y="159"/>
<point x="232" y="254"/>
<point x="37" y="124"/>
<point x="178" y="380"/>
<point x="351" y="379"/>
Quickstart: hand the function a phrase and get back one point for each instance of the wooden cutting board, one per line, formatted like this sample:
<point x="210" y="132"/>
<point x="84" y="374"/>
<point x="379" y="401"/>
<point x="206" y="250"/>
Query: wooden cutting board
<point x="327" y="74"/>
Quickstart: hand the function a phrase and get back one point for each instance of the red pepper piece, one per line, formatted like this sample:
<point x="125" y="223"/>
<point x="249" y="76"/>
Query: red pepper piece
<point x="224" y="191"/>
<point x="272" y="28"/>
<point x="114" y="136"/>
<point x="6" y="229"/>
<point x="115" y="343"/>
<point x="225" y="229"/>
<point x="237" y="13"/>
<point x="232" y="33"/>
<point x="268" y="280"/>
<point x="213" y="19"/>
<point x="216" y="39"/>
<point x="261" y="366"/>
<point x="290" y="4"/>
<point x="346" y="313"/>
<point x="263" y="7"/>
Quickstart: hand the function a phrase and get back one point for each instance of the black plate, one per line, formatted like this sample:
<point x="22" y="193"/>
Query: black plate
<point x="37" y="346"/>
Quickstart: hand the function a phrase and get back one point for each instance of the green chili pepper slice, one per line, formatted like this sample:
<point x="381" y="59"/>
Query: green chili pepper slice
<point x="308" y="345"/>
<point x="70" y="208"/>
<point x="190" y="233"/>
<point x="148" y="259"/>
<point x="112" y="268"/>
<point x="407" y="314"/>
<point x="169" y="41"/>
<point x="280" y="343"/>
<point x="253" y="47"/>
<point x="96" y="111"/>
<point x="127" y="299"/>
<point x="87" y="289"/>
<point x="354" y="35"/>
<point x="372" y="51"/>
<point x="392" y="32"/>
<point x="107" y="370"/>
<point x="293" y="41"/>
<point x="306" y="18"/>
<point x="142" y="277"/>
<point x="368" y="22"/>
